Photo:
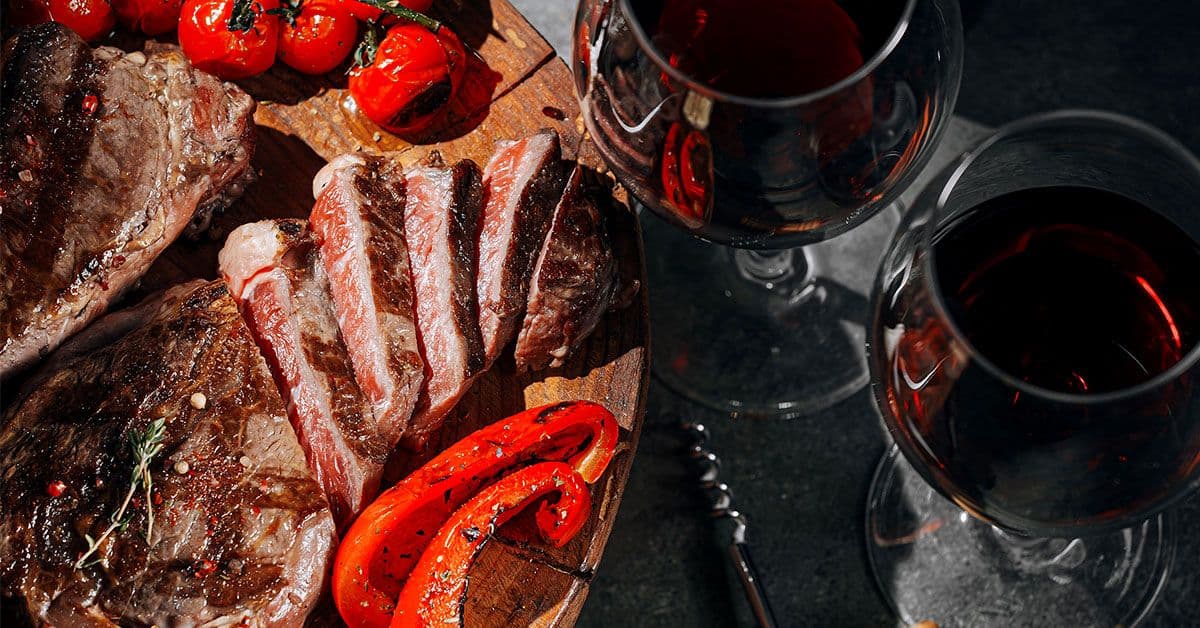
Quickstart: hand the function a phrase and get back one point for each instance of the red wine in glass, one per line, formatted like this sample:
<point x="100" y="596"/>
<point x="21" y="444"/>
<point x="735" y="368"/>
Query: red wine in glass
<point x="1074" y="292"/>
<point x="765" y="48"/>
<point x="761" y="172"/>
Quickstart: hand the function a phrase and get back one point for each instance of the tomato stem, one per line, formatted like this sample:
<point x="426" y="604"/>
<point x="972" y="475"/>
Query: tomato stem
<point x="242" y="15"/>
<point x="395" y="8"/>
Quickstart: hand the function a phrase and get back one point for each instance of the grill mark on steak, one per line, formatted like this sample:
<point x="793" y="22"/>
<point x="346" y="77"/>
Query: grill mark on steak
<point x="247" y="503"/>
<point x="522" y="183"/>
<point x="274" y="270"/>
<point x="441" y="219"/>
<point x="90" y="196"/>
<point x="358" y="219"/>
<point x="573" y="281"/>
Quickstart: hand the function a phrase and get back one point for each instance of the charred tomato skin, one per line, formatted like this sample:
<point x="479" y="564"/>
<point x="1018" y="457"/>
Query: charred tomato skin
<point x="414" y="74"/>
<point x="152" y="17"/>
<point x="230" y="38"/>
<point x="90" y="19"/>
<point x="318" y="37"/>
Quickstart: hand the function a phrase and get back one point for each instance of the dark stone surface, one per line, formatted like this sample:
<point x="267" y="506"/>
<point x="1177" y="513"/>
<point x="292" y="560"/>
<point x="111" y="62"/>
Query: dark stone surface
<point x="803" y="482"/>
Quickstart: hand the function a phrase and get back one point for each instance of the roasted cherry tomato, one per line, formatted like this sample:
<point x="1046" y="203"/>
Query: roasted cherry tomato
<point x="367" y="12"/>
<point x="316" y="35"/>
<point x="152" y="17"/>
<point x="411" y="75"/>
<point x="230" y="38"/>
<point x="91" y="19"/>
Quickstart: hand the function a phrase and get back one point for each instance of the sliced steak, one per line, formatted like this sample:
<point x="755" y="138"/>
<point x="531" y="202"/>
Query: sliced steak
<point x="523" y="182"/>
<point x="441" y="220"/>
<point x="274" y="271"/>
<point x="573" y="282"/>
<point x="105" y="157"/>
<point x="242" y="532"/>
<point x="358" y="220"/>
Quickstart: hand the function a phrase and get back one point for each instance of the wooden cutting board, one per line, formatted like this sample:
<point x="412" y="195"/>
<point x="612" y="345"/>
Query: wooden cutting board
<point x="516" y="86"/>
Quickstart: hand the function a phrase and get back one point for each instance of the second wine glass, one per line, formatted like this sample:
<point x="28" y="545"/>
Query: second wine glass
<point x="1034" y="355"/>
<point x="764" y="126"/>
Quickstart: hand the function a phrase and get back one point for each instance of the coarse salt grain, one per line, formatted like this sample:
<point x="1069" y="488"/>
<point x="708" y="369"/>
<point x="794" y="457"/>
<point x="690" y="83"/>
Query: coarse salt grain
<point x="182" y="467"/>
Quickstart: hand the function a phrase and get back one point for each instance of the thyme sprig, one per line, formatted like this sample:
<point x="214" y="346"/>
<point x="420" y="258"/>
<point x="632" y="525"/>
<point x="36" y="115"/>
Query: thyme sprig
<point x="144" y="445"/>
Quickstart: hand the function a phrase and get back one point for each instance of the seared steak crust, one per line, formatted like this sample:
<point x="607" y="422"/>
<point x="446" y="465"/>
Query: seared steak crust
<point x="241" y="530"/>
<point x="106" y="157"/>
<point x="522" y="183"/>
<point x="572" y="284"/>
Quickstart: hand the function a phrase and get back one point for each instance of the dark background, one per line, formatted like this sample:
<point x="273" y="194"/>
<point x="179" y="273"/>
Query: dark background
<point x="803" y="482"/>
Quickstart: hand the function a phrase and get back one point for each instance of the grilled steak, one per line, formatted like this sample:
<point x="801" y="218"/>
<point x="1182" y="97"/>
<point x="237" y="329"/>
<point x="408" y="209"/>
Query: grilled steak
<point x="523" y="181"/>
<point x="106" y="157"/>
<point x="441" y="220"/>
<point x="241" y="530"/>
<point x="274" y="271"/>
<point x="573" y="282"/>
<point x="358" y="220"/>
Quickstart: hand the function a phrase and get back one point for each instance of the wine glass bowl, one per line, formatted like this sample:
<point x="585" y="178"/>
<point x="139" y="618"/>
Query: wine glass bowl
<point x="1049" y="389"/>
<point x="763" y="125"/>
<point x="834" y="128"/>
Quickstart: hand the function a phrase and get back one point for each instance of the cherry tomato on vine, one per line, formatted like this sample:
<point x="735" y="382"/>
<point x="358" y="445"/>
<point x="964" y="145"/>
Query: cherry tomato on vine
<point x="316" y="35"/>
<point x="367" y="12"/>
<point x="404" y="84"/>
<point x="152" y="17"/>
<point x="91" y="19"/>
<point x="230" y="38"/>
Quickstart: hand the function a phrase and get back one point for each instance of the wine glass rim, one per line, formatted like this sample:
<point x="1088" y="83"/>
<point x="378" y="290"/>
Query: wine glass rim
<point x="866" y="69"/>
<point x="1023" y="125"/>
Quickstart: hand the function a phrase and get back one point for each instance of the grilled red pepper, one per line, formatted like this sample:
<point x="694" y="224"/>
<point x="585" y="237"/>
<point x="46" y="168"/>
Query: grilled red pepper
<point x="686" y="173"/>
<point x="437" y="589"/>
<point x="387" y="539"/>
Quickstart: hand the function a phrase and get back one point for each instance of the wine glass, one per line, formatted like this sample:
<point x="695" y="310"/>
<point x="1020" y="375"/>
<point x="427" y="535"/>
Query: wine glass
<point x="1034" y="354"/>
<point x="763" y="125"/>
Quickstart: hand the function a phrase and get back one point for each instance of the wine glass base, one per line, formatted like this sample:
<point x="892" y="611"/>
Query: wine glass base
<point x="785" y="347"/>
<point x="934" y="562"/>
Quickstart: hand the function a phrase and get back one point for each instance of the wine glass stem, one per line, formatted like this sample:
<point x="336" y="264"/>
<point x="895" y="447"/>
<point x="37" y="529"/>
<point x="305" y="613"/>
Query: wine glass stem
<point x="768" y="268"/>
<point x="1054" y="557"/>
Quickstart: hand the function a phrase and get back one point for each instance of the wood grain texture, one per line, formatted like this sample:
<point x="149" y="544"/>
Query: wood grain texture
<point x="305" y="121"/>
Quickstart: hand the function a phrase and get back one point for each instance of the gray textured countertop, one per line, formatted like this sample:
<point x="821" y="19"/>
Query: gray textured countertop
<point x="804" y="482"/>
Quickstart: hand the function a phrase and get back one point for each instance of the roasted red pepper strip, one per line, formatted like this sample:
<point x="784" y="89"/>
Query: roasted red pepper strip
<point x="385" y="542"/>
<point x="687" y="178"/>
<point x="437" y="588"/>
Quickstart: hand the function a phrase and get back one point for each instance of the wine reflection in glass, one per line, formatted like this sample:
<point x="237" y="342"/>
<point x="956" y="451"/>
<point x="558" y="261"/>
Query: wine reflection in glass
<point x="769" y="127"/>
<point x="1033" y="352"/>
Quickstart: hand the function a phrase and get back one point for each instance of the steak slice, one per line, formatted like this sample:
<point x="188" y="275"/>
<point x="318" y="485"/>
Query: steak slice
<point x="241" y="530"/>
<point x="441" y="220"/>
<point x="105" y="157"/>
<point x="523" y="181"/>
<point x="358" y="220"/>
<point x="573" y="282"/>
<point x="274" y="272"/>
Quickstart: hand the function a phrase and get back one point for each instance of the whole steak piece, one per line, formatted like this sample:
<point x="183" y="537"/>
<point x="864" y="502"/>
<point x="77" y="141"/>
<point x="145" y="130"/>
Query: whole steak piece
<point x="241" y="534"/>
<point x="522" y="183"/>
<point x="573" y="282"/>
<point x="275" y="273"/>
<point x="105" y="158"/>
<point x="358" y="219"/>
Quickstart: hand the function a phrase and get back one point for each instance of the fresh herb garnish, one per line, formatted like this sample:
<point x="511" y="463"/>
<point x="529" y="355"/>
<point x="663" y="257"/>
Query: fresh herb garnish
<point x="144" y="445"/>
